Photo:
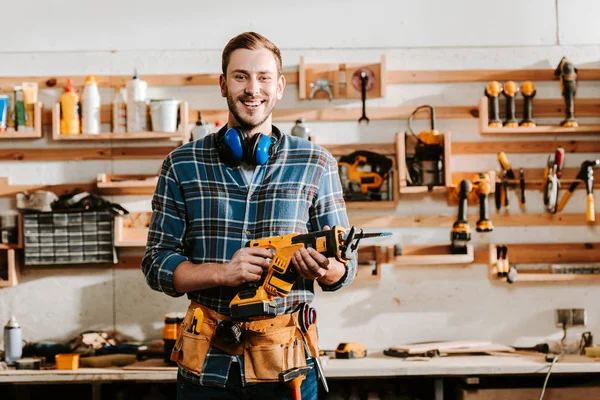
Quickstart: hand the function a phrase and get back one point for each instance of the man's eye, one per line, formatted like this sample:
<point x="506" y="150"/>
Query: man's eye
<point x="265" y="78"/>
<point x="240" y="77"/>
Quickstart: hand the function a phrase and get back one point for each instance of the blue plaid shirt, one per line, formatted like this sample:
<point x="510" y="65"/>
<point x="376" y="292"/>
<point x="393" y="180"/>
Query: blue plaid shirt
<point x="204" y="211"/>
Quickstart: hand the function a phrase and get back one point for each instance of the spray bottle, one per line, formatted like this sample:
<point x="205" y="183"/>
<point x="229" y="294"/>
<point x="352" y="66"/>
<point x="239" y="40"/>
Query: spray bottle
<point x="13" y="342"/>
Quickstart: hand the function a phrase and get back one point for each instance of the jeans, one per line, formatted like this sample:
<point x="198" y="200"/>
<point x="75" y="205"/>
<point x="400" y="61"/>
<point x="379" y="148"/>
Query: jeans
<point x="234" y="390"/>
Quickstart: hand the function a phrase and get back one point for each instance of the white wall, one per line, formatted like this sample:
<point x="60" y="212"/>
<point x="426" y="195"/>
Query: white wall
<point x="407" y="304"/>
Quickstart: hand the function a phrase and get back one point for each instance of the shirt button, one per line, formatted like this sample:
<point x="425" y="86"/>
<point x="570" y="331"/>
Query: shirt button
<point x="248" y="233"/>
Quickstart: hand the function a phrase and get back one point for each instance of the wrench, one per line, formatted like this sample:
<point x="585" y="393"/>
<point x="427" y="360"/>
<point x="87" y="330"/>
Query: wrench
<point x="363" y="93"/>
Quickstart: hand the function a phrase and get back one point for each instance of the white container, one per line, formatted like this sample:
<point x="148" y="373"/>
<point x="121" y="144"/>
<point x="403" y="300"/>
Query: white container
<point x="137" y="105"/>
<point x="200" y="130"/>
<point x="90" y="107"/>
<point x="164" y="115"/>
<point x="119" y="112"/>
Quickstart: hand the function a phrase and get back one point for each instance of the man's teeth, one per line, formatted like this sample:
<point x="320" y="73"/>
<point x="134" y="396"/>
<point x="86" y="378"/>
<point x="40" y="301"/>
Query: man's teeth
<point x="252" y="103"/>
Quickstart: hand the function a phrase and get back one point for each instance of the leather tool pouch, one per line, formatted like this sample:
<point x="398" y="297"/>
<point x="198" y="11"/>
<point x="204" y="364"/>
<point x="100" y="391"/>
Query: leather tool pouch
<point x="269" y="346"/>
<point x="190" y="349"/>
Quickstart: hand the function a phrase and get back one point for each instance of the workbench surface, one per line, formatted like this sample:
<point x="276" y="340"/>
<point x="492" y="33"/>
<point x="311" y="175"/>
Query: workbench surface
<point x="375" y="365"/>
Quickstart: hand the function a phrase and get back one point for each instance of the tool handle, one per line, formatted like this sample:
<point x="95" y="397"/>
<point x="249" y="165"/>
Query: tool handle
<point x="505" y="164"/>
<point x="559" y="160"/>
<point x="483" y="207"/>
<point x="566" y="196"/>
<point x="465" y="189"/>
<point x="522" y="186"/>
<point x="590" y="212"/>
<point x="498" y="195"/>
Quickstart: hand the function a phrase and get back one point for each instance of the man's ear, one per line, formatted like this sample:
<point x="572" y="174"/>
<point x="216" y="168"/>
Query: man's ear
<point x="223" y="85"/>
<point x="280" y="87"/>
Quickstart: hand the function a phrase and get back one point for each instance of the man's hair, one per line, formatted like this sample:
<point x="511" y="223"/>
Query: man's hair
<point x="249" y="41"/>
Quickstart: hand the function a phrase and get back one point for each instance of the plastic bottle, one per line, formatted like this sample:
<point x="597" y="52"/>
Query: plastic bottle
<point x="90" y="106"/>
<point x="70" y="123"/>
<point x="137" y="113"/>
<point x="13" y="342"/>
<point x="301" y="130"/>
<point x="119" y="112"/>
<point x="201" y="129"/>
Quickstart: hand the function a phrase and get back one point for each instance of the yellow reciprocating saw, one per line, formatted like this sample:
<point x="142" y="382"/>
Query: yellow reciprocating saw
<point x="256" y="300"/>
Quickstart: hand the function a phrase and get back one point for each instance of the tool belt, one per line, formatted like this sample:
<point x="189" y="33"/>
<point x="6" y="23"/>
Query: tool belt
<point x="270" y="346"/>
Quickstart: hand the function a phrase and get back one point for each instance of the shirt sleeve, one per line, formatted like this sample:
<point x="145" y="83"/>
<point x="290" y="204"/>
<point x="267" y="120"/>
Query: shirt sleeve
<point x="165" y="246"/>
<point x="330" y="209"/>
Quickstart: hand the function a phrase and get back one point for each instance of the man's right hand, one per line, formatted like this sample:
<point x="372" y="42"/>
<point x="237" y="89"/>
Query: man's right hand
<point x="246" y="265"/>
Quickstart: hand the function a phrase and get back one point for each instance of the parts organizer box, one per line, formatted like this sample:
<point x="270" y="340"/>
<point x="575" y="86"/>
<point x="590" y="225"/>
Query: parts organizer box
<point x="68" y="237"/>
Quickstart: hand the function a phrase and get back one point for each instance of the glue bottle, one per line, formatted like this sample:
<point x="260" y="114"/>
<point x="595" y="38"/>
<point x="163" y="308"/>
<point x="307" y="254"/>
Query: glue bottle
<point x="13" y="342"/>
<point x="90" y="106"/>
<point x="70" y="123"/>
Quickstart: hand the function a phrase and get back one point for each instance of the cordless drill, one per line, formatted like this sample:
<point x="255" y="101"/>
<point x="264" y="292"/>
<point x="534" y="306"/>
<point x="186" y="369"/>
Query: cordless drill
<point x="482" y="187"/>
<point x="460" y="234"/>
<point x="510" y="92"/>
<point x="492" y="92"/>
<point x="256" y="300"/>
<point x="528" y="91"/>
<point x="567" y="73"/>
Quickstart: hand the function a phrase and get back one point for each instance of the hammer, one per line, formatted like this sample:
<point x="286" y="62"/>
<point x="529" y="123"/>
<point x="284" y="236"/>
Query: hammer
<point x="586" y="175"/>
<point x="294" y="378"/>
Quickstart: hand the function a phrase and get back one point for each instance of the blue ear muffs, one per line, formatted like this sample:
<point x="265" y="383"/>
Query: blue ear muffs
<point x="262" y="148"/>
<point x="234" y="147"/>
<point x="234" y="140"/>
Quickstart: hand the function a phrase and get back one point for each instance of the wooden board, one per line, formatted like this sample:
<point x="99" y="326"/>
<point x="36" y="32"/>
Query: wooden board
<point x="544" y="108"/>
<point x="82" y="153"/>
<point x="36" y="133"/>
<point x="533" y="178"/>
<point x="14" y="275"/>
<point x="107" y="181"/>
<point x="563" y="393"/>
<point x="526" y="147"/>
<point x="292" y="77"/>
<point x="181" y="134"/>
<point x="432" y="255"/>
<point x="132" y="230"/>
<point x="151" y="364"/>
<point x="454" y="347"/>
<point x="521" y="254"/>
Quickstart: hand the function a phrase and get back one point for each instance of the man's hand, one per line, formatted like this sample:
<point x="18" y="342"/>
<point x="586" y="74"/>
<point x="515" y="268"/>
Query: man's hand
<point x="246" y="265"/>
<point x="311" y="264"/>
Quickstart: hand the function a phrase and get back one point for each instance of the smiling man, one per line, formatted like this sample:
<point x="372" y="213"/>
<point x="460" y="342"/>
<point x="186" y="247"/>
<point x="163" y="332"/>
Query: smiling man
<point x="248" y="181"/>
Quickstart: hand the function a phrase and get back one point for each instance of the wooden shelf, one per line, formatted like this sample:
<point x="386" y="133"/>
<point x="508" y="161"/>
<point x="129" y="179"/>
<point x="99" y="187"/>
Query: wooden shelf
<point x="132" y="230"/>
<point x="533" y="178"/>
<point x="13" y="274"/>
<point x="292" y="77"/>
<point x="403" y="186"/>
<point x="126" y="184"/>
<point x="181" y="134"/>
<point x="553" y="254"/>
<point x="36" y="133"/>
<point x="484" y="129"/>
<point x="341" y="76"/>
<point x="432" y="255"/>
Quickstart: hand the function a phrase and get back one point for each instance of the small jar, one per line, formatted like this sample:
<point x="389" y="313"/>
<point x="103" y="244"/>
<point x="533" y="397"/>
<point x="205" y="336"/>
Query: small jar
<point x="8" y="229"/>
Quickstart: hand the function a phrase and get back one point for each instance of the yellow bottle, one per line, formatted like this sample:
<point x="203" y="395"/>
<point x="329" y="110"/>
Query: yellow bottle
<point x="70" y="123"/>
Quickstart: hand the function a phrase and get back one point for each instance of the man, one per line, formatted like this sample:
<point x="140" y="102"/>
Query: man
<point x="216" y="194"/>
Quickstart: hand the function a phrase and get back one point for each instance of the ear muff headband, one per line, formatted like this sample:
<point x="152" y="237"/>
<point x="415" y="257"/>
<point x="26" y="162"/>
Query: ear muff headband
<point x="262" y="148"/>
<point x="233" y="146"/>
<point x="234" y="140"/>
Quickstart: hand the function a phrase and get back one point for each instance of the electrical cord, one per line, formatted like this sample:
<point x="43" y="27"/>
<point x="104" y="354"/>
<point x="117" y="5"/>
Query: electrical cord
<point x="554" y="361"/>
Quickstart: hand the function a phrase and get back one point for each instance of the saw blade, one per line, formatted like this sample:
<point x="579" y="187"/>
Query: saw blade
<point x="372" y="235"/>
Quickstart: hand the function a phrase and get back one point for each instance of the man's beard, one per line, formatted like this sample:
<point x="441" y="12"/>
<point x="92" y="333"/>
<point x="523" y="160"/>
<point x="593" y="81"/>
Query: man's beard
<point x="246" y="124"/>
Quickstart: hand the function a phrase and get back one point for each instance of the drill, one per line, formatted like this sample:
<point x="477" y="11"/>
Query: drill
<point x="510" y="91"/>
<point x="256" y="300"/>
<point x="492" y="91"/>
<point x="567" y="74"/>
<point x="482" y="187"/>
<point x="460" y="234"/>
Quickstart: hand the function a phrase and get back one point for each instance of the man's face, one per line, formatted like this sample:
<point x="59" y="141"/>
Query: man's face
<point x="252" y="87"/>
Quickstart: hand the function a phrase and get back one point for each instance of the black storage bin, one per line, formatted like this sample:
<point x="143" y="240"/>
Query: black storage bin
<point x="68" y="237"/>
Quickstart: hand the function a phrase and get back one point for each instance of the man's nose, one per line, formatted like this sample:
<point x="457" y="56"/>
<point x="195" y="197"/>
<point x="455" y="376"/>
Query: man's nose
<point x="253" y="86"/>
